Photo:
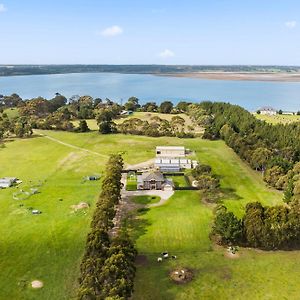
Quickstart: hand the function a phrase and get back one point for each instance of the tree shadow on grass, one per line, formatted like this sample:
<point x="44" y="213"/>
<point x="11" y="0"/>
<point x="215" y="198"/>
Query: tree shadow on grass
<point x="135" y="224"/>
<point x="218" y="195"/>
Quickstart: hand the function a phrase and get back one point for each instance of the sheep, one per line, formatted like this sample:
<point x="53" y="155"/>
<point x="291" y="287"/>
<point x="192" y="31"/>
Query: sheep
<point x="159" y="259"/>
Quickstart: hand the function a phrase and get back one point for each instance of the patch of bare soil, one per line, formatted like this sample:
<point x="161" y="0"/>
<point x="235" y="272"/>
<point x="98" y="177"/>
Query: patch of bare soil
<point x="181" y="275"/>
<point x="141" y="260"/>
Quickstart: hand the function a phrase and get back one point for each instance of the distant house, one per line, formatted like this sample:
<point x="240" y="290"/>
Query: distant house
<point x="7" y="182"/>
<point x="173" y="159"/>
<point x="290" y="113"/>
<point x="126" y="112"/>
<point x="268" y="110"/>
<point x="153" y="181"/>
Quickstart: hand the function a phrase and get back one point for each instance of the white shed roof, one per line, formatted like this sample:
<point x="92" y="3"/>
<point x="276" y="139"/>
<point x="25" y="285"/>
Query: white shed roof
<point x="179" y="148"/>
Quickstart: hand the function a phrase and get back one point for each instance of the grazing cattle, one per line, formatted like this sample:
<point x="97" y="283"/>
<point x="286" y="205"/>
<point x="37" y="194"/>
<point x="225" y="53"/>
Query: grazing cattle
<point x="166" y="255"/>
<point x="174" y="256"/>
<point x="159" y="259"/>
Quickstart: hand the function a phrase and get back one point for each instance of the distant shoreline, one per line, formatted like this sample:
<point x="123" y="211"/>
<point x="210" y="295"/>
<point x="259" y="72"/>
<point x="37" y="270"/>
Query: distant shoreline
<point x="244" y="76"/>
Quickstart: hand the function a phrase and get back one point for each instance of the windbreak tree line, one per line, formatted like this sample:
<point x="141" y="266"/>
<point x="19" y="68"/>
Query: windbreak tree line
<point x="273" y="150"/>
<point x="107" y="267"/>
<point x="268" y="228"/>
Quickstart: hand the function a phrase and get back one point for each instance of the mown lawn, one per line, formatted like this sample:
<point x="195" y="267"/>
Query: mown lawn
<point x="179" y="181"/>
<point x="48" y="247"/>
<point x="145" y="199"/>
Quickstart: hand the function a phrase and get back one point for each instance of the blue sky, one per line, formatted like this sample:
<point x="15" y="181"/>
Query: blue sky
<point x="150" y="32"/>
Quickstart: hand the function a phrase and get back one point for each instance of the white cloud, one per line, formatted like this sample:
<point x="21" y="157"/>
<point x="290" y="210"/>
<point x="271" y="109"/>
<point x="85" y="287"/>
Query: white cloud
<point x="111" y="31"/>
<point x="166" y="53"/>
<point x="2" y="8"/>
<point x="290" y="24"/>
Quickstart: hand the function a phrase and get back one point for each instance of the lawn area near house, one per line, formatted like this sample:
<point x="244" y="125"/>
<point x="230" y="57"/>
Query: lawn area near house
<point x="145" y="199"/>
<point x="179" y="181"/>
<point x="131" y="183"/>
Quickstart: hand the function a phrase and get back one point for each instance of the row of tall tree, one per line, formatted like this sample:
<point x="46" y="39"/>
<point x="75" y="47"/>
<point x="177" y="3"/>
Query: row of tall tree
<point x="273" y="150"/>
<point x="107" y="268"/>
<point x="269" y="228"/>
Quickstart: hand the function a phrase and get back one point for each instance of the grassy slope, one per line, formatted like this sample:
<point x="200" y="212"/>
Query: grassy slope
<point x="146" y="116"/>
<point x="182" y="227"/>
<point x="46" y="247"/>
<point x="49" y="246"/>
<point x="284" y="119"/>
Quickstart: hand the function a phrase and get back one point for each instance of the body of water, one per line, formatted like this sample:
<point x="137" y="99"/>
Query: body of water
<point x="249" y="94"/>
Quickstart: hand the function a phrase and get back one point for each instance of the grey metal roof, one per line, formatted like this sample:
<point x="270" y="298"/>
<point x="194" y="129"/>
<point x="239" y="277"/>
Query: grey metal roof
<point x="267" y="108"/>
<point x="155" y="175"/>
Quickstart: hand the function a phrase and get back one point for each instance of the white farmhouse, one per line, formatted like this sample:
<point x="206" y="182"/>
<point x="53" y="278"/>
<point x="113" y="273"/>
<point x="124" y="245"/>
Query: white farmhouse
<point x="268" y="110"/>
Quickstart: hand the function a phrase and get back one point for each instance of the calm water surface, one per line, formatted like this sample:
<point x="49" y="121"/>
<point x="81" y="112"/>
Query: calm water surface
<point x="249" y="94"/>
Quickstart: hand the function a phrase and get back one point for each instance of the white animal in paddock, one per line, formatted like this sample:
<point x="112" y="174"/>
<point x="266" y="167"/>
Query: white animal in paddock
<point x="159" y="259"/>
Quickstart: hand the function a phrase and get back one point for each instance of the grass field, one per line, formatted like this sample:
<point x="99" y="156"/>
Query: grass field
<point x="12" y="112"/>
<point x="182" y="227"/>
<point x="49" y="246"/>
<point x="278" y="119"/>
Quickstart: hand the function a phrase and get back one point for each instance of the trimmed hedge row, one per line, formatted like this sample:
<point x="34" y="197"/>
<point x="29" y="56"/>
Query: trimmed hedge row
<point x="107" y="268"/>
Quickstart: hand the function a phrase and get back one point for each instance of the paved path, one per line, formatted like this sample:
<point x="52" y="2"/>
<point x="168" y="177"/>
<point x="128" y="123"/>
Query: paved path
<point x="164" y="195"/>
<point x="70" y="145"/>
